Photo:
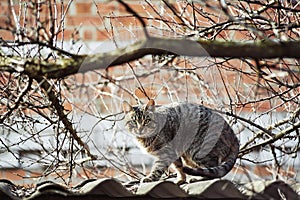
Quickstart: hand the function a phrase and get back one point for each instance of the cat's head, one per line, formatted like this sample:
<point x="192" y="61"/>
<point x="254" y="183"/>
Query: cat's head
<point x="140" y="120"/>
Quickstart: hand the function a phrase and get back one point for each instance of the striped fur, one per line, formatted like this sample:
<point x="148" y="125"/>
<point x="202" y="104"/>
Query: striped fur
<point x="196" y="140"/>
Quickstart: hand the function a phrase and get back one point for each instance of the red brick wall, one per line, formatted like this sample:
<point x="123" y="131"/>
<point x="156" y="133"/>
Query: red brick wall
<point x="25" y="177"/>
<point x="83" y="19"/>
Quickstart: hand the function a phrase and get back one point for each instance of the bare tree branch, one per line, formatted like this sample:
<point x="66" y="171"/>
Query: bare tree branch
<point x="48" y="88"/>
<point x="152" y="46"/>
<point x="276" y="137"/>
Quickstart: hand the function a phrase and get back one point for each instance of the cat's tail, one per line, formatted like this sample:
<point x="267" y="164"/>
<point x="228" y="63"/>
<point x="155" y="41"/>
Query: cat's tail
<point x="213" y="172"/>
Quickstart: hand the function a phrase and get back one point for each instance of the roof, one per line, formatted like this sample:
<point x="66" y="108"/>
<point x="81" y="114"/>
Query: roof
<point x="111" y="189"/>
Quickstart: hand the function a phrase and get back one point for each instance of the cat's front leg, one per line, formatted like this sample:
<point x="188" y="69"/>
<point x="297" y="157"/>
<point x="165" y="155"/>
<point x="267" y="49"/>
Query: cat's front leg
<point x="157" y="171"/>
<point x="165" y="157"/>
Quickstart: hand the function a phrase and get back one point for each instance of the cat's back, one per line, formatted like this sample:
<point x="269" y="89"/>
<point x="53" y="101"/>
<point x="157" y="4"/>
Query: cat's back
<point x="185" y="110"/>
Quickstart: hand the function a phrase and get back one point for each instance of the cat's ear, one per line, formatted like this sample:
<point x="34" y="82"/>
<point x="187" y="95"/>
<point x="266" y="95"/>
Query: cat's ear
<point x="126" y="107"/>
<point x="150" y="105"/>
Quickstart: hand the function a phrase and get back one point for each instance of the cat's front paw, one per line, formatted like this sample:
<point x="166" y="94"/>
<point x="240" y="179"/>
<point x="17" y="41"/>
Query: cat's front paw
<point x="149" y="178"/>
<point x="155" y="175"/>
<point x="146" y="179"/>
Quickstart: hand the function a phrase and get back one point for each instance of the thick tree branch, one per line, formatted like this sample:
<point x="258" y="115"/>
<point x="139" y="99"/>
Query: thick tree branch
<point x="151" y="46"/>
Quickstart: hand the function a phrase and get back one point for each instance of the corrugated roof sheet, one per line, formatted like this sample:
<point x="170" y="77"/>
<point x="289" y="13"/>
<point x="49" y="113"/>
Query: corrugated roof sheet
<point x="112" y="188"/>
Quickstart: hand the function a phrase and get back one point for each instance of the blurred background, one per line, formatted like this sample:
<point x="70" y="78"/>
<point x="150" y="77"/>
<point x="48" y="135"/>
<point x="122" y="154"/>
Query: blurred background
<point x="69" y="128"/>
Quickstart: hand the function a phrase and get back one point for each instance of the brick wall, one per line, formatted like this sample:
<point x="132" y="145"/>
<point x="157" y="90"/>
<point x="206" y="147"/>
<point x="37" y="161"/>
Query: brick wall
<point x="85" y="20"/>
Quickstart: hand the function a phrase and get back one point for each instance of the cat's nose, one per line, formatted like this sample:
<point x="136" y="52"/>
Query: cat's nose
<point x="139" y="126"/>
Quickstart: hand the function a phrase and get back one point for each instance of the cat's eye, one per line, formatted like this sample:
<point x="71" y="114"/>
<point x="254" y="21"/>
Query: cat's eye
<point x="147" y="120"/>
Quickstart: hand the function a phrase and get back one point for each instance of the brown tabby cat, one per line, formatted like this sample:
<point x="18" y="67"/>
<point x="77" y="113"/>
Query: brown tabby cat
<point x="183" y="133"/>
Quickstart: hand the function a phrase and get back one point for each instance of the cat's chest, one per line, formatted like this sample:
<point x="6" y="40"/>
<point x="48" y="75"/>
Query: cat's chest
<point x="152" y="144"/>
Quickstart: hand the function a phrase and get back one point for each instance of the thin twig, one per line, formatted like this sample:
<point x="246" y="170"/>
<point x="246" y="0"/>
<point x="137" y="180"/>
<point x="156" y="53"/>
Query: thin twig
<point x="60" y="112"/>
<point x="130" y="10"/>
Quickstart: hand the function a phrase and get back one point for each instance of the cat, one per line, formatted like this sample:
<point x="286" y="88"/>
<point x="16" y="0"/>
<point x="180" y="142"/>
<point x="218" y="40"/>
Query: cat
<point x="192" y="137"/>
